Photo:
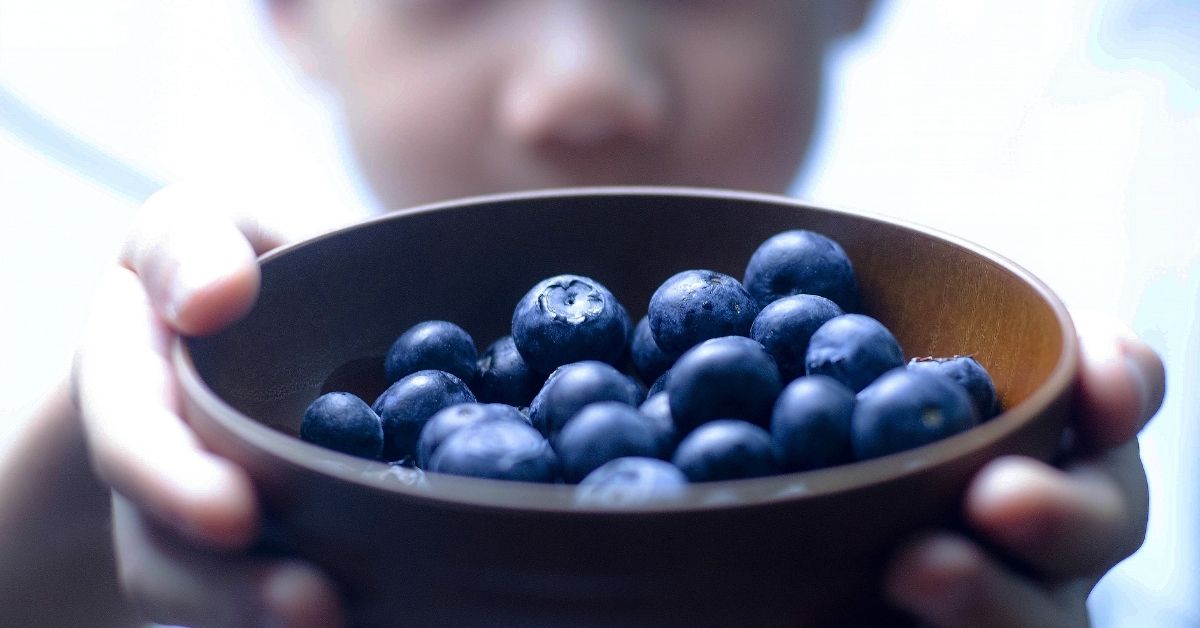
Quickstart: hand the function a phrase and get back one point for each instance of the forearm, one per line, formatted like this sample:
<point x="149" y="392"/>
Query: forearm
<point x="56" y="557"/>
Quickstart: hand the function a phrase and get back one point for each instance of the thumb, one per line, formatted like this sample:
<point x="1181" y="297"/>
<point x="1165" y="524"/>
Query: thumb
<point x="196" y="261"/>
<point x="1122" y="381"/>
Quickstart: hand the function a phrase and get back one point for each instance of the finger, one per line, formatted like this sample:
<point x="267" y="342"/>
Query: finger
<point x="127" y="399"/>
<point x="1121" y="382"/>
<point x="173" y="583"/>
<point x="1070" y="523"/>
<point x="945" y="580"/>
<point x="195" y="259"/>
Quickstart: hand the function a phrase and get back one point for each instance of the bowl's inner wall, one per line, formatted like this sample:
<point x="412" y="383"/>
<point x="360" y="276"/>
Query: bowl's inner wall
<point x="348" y="295"/>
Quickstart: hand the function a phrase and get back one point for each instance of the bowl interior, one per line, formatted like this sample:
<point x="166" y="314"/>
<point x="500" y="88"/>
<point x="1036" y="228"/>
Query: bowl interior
<point x="330" y="308"/>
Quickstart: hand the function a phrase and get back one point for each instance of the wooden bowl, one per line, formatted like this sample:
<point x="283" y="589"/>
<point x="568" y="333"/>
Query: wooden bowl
<point x="803" y="548"/>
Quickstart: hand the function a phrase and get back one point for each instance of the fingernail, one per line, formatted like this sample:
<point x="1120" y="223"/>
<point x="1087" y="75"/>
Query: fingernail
<point x="219" y="508"/>
<point x="205" y="256"/>
<point x="278" y="591"/>
<point x="934" y="580"/>
<point x="949" y="557"/>
<point x="194" y="273"/>
<point x="296" y="595"/>
<point x="1004" y="501"/>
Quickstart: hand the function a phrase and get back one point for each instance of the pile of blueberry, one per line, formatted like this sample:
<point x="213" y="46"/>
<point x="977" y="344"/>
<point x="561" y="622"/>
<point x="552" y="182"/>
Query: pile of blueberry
<point x="769" y="375"/>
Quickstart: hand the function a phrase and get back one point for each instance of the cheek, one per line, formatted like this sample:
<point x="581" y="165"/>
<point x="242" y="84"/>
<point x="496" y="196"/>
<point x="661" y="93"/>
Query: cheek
<point x="413" y="123"/>
<point x="746" y="107"/>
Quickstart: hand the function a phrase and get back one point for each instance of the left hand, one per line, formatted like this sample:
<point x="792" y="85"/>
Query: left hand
<point x="1052" y="532"/>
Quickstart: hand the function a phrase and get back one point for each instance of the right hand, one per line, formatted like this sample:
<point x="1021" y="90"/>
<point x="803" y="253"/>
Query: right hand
<point x="183" y="517"/>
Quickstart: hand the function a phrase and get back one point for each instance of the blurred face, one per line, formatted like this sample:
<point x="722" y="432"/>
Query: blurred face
<point x="449" y="98"/>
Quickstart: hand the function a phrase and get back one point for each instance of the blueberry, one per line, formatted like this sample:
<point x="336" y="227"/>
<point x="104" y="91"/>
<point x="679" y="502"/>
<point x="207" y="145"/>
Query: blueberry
<point x="853" y="349"/>
<point x="971" y="375"/>
<point x="726" y="449"/>
<point x="600" y="432"/>
<point x="725" y="377"/>
<point x="572" y="386"/>
<point x="632" y="481"/>
<point x="432" y="345"/>
<point x="504" y="377"/>
<point x="801" y="262"/>
<point x="569" y="318"/>
<point x="406" y="405"/>
<point x="649" y="360"/>
<point x="811" y="423"/>
<point x="345" y="423"/>
<point x="785" y="326"/>
<point x="498" y="450"/>
<point x="695" y="305"/>
<point x="629" y="326"/>
<point x="449" y="420"/>
<point x="657" y="408"/>
<point x="660" y="384"/>
<point x="907" y="408"/>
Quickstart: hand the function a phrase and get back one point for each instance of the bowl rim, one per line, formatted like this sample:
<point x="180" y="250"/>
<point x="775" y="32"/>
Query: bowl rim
<point x="475" y="493"/>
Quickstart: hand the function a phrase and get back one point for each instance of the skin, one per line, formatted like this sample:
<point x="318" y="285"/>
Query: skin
<point x="591" y="92"/>
<point x="631" y="92"/>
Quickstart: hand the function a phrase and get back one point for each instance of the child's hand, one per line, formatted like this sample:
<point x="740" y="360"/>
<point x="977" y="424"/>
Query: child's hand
<point x="1051" y="532"/>
<point x="181" y="514"/>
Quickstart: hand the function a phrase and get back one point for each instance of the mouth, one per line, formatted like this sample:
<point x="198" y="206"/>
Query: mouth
<point x="598" y="166"/>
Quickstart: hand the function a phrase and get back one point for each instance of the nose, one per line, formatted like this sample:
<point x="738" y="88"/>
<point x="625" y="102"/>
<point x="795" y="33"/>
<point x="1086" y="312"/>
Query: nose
<point x="586" y="81"/>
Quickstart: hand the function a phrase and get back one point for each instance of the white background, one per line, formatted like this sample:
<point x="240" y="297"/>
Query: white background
<point x="1065" y="135"/>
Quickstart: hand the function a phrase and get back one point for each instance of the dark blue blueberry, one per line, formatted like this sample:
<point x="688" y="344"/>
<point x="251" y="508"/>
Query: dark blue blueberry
<point x="657" y="408"/>
<point x="449" y="420"/>
<point x="625" y="355"/>
<point x="725" y="377"/>
<point x="567" y="319"/>
<point x="345" y="423"/>
<point x="660" y="384"/>
<point x="907" y="408"/>
<point x="498" y="450"/>
<point x="572" y="386"/>
<point x="853" y="349"/>
<point x="504" y="377"/>
<point x="649" y="360"/>
<point x="600" y="432"/>
<point x="406" y="405"/>
<point x="971" y="375"/>
<point x="695" y="305"/>
<point x="726" y="449"/>
<point x="785" y="326"/>
<point x="801" y="262"/>
<point x="811" y="423"/>
<point x="432" y="345"/>
<point x="632" y="481"/>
